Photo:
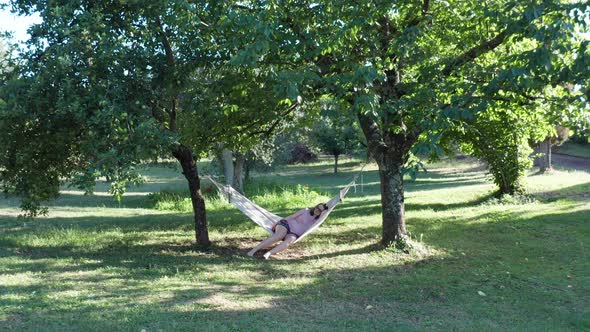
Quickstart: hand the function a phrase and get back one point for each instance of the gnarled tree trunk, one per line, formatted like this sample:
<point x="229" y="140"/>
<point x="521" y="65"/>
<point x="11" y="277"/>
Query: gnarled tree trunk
<point x="392" y="202"/>
<point x="391" y="151"/>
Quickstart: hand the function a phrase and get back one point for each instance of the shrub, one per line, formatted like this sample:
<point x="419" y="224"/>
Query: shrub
<point x="301" y="153"/>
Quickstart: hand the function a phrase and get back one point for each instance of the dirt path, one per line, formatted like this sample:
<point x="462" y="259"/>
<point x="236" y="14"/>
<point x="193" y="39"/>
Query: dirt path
<point x="572" y="162"/>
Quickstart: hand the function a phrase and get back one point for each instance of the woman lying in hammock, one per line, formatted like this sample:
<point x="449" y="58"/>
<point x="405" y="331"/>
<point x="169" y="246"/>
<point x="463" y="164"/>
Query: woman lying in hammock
<point x="290" y="229"/>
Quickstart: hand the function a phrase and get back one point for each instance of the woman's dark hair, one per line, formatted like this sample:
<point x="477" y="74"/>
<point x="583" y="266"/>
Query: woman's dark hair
<point x="324" y="205"/>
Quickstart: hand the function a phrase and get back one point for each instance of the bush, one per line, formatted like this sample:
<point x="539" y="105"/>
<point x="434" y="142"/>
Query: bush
<point x="501" y="139"/>
<point x="580" y="137"/>
<point x="518" y="199"/>
<point x="301" y="153"/>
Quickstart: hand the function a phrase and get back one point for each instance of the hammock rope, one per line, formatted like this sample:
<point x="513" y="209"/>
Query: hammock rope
<point x="260" y="216"/>
<point x="266" y="219"/>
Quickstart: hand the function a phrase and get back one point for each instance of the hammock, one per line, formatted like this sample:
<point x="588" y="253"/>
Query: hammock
<point x="267" y="219"/>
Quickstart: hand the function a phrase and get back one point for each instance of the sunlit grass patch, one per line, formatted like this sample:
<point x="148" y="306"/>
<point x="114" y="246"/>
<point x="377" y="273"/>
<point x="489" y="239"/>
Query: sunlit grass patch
<point x="75" y="237"/>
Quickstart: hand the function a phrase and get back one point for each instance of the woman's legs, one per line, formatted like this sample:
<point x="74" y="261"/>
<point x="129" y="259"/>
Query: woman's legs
<point x="282" y="246"/>
<point x="279" y="234"/>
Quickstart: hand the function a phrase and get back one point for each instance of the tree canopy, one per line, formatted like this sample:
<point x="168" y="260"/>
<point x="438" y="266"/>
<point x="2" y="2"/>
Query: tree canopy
<point x="106" y="85"/>
<point x="412" y="69"/>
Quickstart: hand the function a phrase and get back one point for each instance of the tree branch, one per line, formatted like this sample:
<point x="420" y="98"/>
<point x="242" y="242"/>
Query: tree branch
<point x="387" y="33"/>
<point x="475" y="52"/>
<point x="416" y="20"/>
<point x="268" y="131"/>
<point x="374" y="137"/>
<point x="490" y="45"/>
<point x="171" y="62"/>
<point x="166" y="42"/>
<point x="425" y="7"/>
<point x="244" y="7"/>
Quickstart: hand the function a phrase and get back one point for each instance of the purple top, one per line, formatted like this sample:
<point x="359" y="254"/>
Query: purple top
<point x="301" y="221"/>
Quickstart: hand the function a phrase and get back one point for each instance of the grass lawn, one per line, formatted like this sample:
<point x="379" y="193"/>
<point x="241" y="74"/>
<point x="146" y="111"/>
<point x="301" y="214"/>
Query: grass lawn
<point x="91" y="265"/>
<point x="574" y="149"/>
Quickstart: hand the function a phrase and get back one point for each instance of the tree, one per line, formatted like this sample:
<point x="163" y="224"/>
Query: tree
<point x="335" y="134"/>
<point x="558" y="137"/>
<point x="409" y="69"/>
<point x="251" y="109"/>
<point x="106" y="85"/>
<point x="501" y="138"/>
<point x="560" y="118"/>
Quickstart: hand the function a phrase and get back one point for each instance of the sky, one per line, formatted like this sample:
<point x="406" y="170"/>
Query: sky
<point x="18" y="25"/>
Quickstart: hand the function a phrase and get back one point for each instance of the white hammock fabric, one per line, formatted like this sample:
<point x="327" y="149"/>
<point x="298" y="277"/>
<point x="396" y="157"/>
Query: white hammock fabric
<point x="266" y="219"/>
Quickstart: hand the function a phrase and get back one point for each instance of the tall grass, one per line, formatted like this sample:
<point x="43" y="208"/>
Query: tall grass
<point x="264" y="192"/>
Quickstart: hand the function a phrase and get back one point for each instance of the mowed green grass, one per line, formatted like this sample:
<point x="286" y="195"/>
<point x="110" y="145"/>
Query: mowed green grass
<point x="91" y="265"/>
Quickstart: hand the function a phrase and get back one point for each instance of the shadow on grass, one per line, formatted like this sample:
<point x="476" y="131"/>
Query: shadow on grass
<point x="579" y="192"/>
<point x="331" y="288"/>
<point x="321" y="286"/>
<point x="328" y="288"/>
<point x="363" y="208"/>
<point x="137" y="229"/>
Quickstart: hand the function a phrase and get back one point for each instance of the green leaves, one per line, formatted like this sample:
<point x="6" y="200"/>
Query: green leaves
<point x="107" y="85"/>
<point x="334" y="132"/>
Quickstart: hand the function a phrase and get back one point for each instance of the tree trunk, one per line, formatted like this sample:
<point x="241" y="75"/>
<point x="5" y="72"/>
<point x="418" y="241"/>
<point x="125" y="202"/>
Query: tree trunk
<point x="335" y="164"/>
<point x="238" y="182"/>
<point x="391" y="151"/>
<point x="549" y="156"/>
<point x="545" y="159"/>
<point x="392" y="202"/>
<point x="505" y="187"/>
<point x="186" y="158"/>
<point x="227" y="160"/>
<point x="247" y="168"/>
<point x="182" y="153"/>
